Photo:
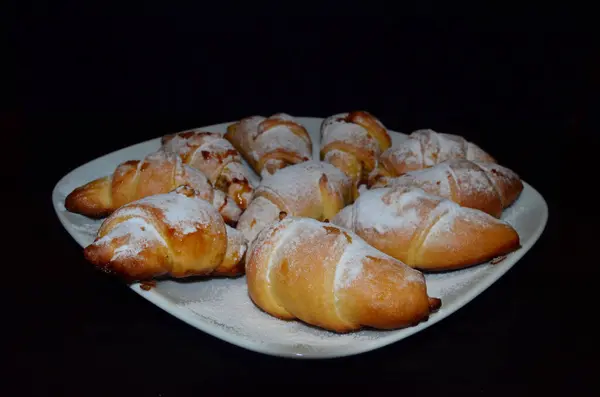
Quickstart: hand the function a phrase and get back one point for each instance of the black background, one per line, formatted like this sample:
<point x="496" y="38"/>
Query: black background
<point x="86" y="82"/>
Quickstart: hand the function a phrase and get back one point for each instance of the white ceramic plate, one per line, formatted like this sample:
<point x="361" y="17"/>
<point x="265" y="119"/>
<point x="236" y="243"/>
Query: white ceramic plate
<point x="222" y="308"/>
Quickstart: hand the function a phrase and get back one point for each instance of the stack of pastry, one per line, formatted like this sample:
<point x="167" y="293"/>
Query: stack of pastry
<point x="341" y="241"/>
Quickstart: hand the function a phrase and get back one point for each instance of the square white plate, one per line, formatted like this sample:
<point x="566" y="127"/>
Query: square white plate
<point x="222" y="308"/>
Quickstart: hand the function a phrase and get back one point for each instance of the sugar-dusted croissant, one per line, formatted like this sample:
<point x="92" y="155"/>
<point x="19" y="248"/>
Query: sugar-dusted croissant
<point x="312" y="189"/>
<point x="329" y="277"/>
<point x="175" y="234"/>
<point x="212" y="154"/>
<point x="425" y="231"/>
<point x="353" y="143"/>
<point x="158" y="172"/>
<point x="272" y="143"/>
<point x="488" y="187"/>
<point x="426" y="148"/>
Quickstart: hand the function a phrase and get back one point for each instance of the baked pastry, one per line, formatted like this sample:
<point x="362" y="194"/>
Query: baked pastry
<point x="214" y="155"/>
<point x="425" y="231"/>
<point x="323" y="275"/>
<point x="353" y="143"/>
<point x="488" y="187"/>
<point x="175" y="234"/>
<point x="312" y="189"/>
<point x="269" y="144"/>
<point x="159" y="172"/>
<point x="426" y="148"/>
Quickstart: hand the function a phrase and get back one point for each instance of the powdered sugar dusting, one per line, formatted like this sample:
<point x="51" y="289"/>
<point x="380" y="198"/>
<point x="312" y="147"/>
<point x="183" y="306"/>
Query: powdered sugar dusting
<point x="222" y="306"/>
<point x="235" y="239"/>
<point x="372" y="212"/>
<point x="301" y="181"/>
<point x="183" y="214"/>
<point x="286" y="244"/>
<point x="426" y="148"/>
<point x="349" y="133"/>
<point x="281" y="137"/>
<point x="226" y="304"/>
<point x="259" y="214"/>
<point x="140" y="234"/>
<point x="468" y="176"/>
<point x="409" y="153"/>
<point x="433" y="180"/>
<point x="471" y="179"/>
<point x="196" y="180"/>
<point x="350" y="265"/>
<point x="441" y="146"/>
<point x="249" y="126"/>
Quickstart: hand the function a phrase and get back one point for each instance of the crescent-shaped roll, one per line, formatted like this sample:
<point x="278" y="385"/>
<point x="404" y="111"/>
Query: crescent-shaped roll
<point x="353" y="142"/>
<point x="272" y="143"/>
<point x="313" y="189"/>
<point x="488" y="187"/>
<point x="176" y="234"/>
<point x="327" y="276"/>
<point x="425" y="148"/>
<point x="216" y="158"/>
<point x="425" y="231"/>
<point x="157" y="173"/>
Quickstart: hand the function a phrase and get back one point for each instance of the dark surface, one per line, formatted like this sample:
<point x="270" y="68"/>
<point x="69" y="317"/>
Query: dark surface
<point x="89" y="86"/>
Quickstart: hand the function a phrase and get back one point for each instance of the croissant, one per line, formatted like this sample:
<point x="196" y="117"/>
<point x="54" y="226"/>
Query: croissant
<point x="158" y="172"/>
<point x="323" y="275"/>
<point x="353" y="143"/>
<point x="310" y="189"/>
<point x="212" y="154"/>
<point x="269" y="144"/>
<point x="488" y="187"/>
<point x="426" y="148"/>
<point x="177" y="234"/>
<point x="427" y="232"/>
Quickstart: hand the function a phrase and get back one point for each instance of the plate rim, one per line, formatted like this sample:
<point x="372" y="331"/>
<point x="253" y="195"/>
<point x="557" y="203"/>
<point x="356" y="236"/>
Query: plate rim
<point x="164" y="303"/>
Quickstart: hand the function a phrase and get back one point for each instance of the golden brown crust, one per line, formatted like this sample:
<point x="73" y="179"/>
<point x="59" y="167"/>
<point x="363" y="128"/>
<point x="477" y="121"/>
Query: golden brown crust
<point x="427" y="232"/>
<point x="250" y="137"/>
<point x="217" y="158"/>
<point x="374" y="126"/>
<point x="158" y="173"/>
<point x="311" y="189"/>
<point x="355" y="151"/>
<point x="93" y="199"/>
<point x="423" y="149"/>
<point x="488" y="187"/>
<point x="144" y="240"/>
<point x="328" y="277"/>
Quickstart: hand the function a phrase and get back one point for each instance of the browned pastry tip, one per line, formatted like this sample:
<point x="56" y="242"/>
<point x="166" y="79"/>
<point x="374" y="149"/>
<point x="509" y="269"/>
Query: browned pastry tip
<point x="296" y="128"/>
<point x="92" y="199"/>
<point x="434" y="304"/>
<point x="157" y="173"/>
<point x="371" y="124"/>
